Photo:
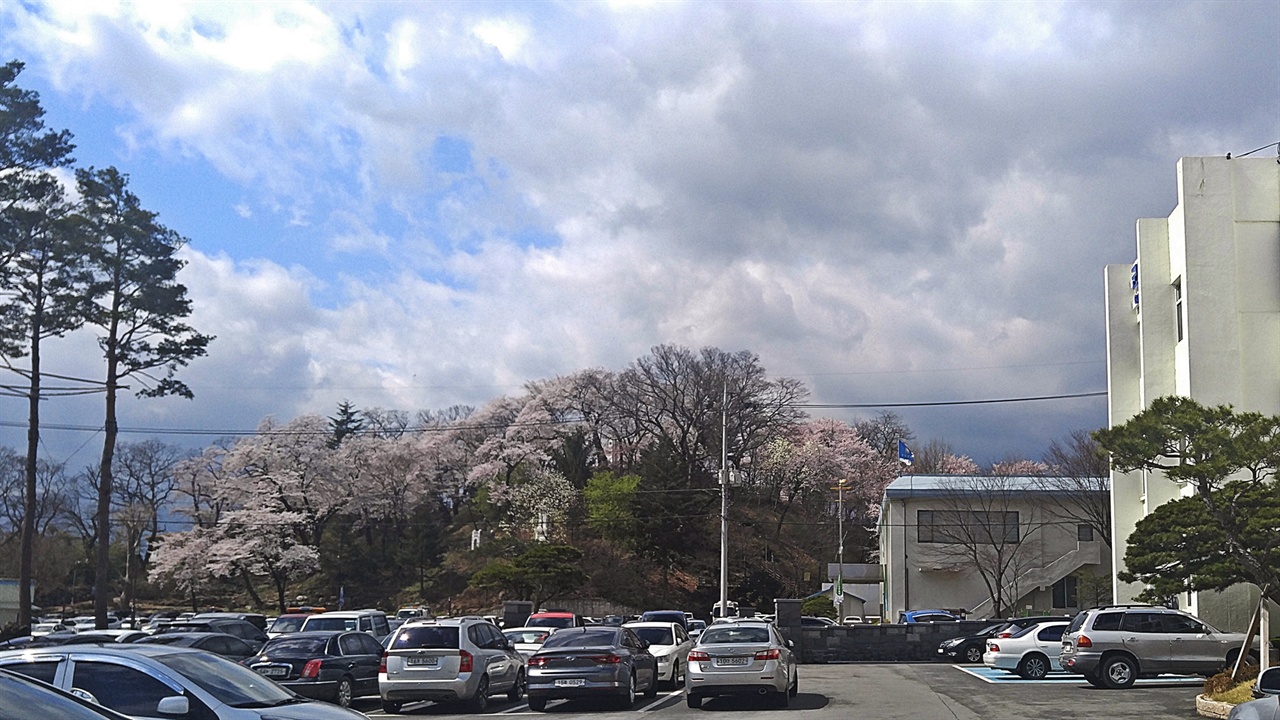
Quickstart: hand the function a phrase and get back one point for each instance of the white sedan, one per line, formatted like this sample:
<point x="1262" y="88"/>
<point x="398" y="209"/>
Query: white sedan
<point x="1031" y="652"/>
<point x="669" y="643"/>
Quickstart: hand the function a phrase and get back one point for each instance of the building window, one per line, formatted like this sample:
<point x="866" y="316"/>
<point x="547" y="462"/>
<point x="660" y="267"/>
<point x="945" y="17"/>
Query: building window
<point x="1065" y="593"/>
<point x="972" y="527"/>
<point x="1177" y="306"/>
<point x="1084" y="533"/>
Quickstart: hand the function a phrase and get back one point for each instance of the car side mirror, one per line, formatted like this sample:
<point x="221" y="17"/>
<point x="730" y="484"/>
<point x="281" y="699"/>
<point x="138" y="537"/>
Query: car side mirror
<point x="174" y="705"/>
<point x="1268" y="682"/>
<point x="790" y="644"/>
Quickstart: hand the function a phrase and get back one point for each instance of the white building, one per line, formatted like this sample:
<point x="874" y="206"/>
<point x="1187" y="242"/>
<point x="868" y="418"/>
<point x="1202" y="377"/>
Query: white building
<point x="924" y="565"/>
<point x="1197" y="315"/>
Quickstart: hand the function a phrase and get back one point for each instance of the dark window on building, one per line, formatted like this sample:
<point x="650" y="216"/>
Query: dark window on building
<point x="1065" y="593"/>
<point x="1177" y="306"/>
<point x="1084" y="533"/>
<point x="975" y="527"/>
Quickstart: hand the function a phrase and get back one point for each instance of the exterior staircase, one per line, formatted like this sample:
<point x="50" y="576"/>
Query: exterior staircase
<point x="1085" y="553"/>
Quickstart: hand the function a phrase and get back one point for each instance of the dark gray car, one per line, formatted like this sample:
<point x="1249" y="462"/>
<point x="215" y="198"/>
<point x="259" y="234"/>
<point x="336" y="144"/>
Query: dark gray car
<point x="594" y="661"/>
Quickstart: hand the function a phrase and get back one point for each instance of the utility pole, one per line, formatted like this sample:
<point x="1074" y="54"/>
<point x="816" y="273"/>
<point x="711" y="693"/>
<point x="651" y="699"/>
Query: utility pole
<point x="837" y="589"/>
<point x="724" y="500"/>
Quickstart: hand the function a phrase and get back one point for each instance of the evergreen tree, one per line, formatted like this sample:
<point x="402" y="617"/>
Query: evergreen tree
<point x="346" y="422"/>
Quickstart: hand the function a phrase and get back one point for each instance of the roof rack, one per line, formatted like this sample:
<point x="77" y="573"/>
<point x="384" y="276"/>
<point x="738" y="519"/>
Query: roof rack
<point x="1129" y="605"/>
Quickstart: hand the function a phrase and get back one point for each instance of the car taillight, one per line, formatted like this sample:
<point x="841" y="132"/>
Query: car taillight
<point x="537" y="662"/>
<point x="698" y="656"/>
<point x="993" y="647"/>
<point x="609" y="659"/>
<point x="464" y="662"/>
<point x="311" y="669"/>
<point x="382" y="664"/>
<point x="1084" y="641"/>
<point x="771" y="654"/>
<point x="1006" y="633"/>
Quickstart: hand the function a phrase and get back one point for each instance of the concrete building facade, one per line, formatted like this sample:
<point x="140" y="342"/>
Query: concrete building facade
<point x="924" y="568"/>
<point x="1197" y="314"/>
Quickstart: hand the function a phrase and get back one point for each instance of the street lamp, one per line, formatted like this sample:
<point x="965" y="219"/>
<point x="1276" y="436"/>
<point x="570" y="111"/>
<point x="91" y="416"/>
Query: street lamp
<point x="837" y="589"/>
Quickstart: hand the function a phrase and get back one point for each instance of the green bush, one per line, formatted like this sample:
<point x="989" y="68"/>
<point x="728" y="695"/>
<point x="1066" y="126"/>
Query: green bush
<point x="820" y="606"/>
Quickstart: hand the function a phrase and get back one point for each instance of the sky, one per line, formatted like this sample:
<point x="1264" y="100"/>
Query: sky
<point x="416" y="205"/>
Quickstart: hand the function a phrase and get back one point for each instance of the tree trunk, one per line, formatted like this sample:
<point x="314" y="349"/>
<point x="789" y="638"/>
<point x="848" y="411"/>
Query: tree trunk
<point x="29" y="497"/>
<point x="248" y="585"/>
<point x="102" y="560"/>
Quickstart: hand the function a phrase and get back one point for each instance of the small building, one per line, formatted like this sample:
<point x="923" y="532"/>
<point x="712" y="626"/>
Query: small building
<point x="1197" y="315"/>
<point x="939" y="535"/>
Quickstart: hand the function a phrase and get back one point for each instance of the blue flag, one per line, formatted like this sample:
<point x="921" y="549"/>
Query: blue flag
<point x="904" y="454"/>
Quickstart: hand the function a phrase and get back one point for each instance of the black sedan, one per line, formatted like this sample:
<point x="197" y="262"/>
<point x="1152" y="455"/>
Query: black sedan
<point x="322" y="664"/>
<point x="969" y="648"/>
<point x="594" y="661"/>
<point x="228" y="646"/>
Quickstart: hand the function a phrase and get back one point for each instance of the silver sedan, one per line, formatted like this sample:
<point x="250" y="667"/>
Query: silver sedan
<point x="740" y="658"/>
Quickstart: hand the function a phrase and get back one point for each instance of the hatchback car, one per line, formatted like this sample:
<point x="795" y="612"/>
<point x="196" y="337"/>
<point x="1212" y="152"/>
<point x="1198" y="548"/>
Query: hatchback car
<point x="373" y="622"/>
<point x="1113" y="646"/>
<point x="332" y="666"/>
<point x="448" y="660"/>
<point x="738" y="658"/>
<point x="1031" y="652"/>
<point x="151" y="681"/>
<point x="669" y="644"/>
<point x="596" y="661"/>
<point x="242" y="629"/>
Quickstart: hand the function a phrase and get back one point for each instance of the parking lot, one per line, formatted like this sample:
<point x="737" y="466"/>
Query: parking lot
<point x="874" y="691"/>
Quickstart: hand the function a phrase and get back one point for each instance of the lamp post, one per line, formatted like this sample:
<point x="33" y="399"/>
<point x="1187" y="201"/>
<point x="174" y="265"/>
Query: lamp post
<point x="837" y="589"/>
<point x="724" y="501"/>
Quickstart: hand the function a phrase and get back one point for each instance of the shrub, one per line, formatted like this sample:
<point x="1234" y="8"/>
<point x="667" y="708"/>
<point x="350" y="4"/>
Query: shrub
<point x="1221" y="685"/>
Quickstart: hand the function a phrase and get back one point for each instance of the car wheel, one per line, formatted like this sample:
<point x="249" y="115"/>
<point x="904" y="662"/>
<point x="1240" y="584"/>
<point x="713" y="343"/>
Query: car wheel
<point x="342" y="698"/>
<point x="1034" y="667"/>
<point x="1119" y="671"/>
<point x="652" y="690"/>
<point x="1234" y="654"/>
<point x="480" y="702"/>
<point x="676" y="680"/>
<point x="693" y="701"/>
<point x="628" y="698"/>
<point x="1094" y="680"/>
<point x="390" y="708"/>
<point x="973" y="654"/>
<point x="537" y="704"/>
<point x="795" y="683"/>
<point x="517" y="691"/>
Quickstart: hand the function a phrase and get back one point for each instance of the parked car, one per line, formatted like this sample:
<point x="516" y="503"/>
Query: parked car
<point x="597" y="661"/>
<point x="1032" y="652"/>
<point x="696" y="627"/>
<point x="286" y="623"/>
<point x="29" y="699"/>
<point x="326" y="665"/>
<point x="449" y="659"/>
<point x="969" y="648"/>
<point x="816" y="621"/>
<point x="373" y="622"/>
<point x="150" y="681"/>
<point x="1013" y="625"/>
<point x="45" y="628"/>
<point x="738" y="658"/>
<point x="1113" y="646"/>
<point x="669" y="644"/>
<point x="257" y="620"/>
<point x="1267" y="687"/>
<point x="927" y="616"/>
<point x="527" y="640"/>
<point x="242" y="629"/>
<point x="103" y="636"/>
<point x="675" y="616"/>
<point x="228" y="646"/>
<point x="554" y="619"/>
<point x="88" y="622"/>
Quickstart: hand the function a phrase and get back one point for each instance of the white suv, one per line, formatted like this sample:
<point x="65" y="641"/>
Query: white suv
<point x="447" y="660"/>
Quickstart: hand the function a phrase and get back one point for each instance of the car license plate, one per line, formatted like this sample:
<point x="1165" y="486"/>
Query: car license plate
<point x="417" y="660"/>
<point x="732" y="661"/>
<point x="273" y="671"/>
<point x="571" y="682"/>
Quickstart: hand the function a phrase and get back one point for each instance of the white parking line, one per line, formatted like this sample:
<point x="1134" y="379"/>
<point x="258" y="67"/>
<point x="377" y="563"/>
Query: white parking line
<point x="661" y="700"/>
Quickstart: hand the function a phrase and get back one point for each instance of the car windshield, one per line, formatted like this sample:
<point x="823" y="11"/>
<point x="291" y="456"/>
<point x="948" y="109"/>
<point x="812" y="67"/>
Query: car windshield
<point x="526" y="636"/>
<point x="427" y="636"/>
<point x="603" y="637"/>
<point x="295" y="646"/>
<point x="729" y="635"/>
<point x="287" y="624"/>
<point x="655" y="635"/>
<point x="330" y="623"/>
<point x="170" y="639"/>
<point x="991" y="629"/>
<point x="555" y="622"/>
<point x="233" y="684"/>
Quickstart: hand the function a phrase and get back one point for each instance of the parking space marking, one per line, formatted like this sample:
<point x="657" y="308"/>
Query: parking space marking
<point x="994" y="676"/>
<point x="660" y="700"/>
